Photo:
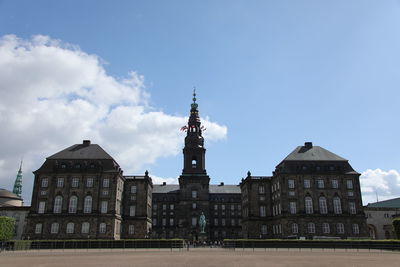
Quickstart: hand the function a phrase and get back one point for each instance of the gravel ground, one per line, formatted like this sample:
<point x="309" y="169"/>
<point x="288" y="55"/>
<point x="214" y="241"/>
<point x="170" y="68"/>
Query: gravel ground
<point x="200" y="257"/>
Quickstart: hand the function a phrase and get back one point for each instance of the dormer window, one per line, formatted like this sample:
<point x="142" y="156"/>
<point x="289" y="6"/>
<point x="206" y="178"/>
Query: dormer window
<point x="77" y="166"/>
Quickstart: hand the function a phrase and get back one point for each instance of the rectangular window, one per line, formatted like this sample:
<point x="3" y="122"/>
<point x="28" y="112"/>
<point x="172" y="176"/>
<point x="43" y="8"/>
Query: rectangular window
<point x="263" y="229"/>
<point x="325" y="228"/>
<point x="340" y="228"/>
<point x="45" y="182"/>
<point x="70" y="228"/>
<point x="215" y="207"/>
<point x="54" y="228"/>
<point x="356" y="230"/>
<point x="154" y="221"/>
<point x="85" y="227"/>
<point x="75" y="182"/>
<point x="102" y="228"/>
<point x="295" y="228"/>
<point x="261" y="189"/>
<point x="133" y="189"/>
<point x="60" y="182"/>
<point x="194" y="193"/>
<point x="164" y="206"/>
<point x="171" y="221"/>
<point x="106" y="182"/>
<point x="320" y="183"/>
<point x="43" y="192"/>
<point x="194" y="221"/>
<point x="262" y="211"/>
<point x="133" y="197"/>
<point x="89" y="182"/>
<point x="131" y="229"/>
<point x="155" y="207"/>
<point x="311" y="228"/>
<point x="307" y="183"/>
<point x="232" y="207"/>
<point x="42" y="205"/>
<point x="38" y="228"/>
<point x="194" y="206"/>
<point x="164" y="221"/>
<point x="349" y="184"/>
<point x="105" y="192"/>
<point x="293" y="207"/>
<point x="223" y="221"/>
<point x="350" y="193"/>
<point x="233" y="223"/>
<point x="335" y="183"/>
<point x="352" y="207"/>
<point x="223" y="207"/>
<point x="216" y="221"/>
<point x="171" y="206"/>
<point x="104" y="206"/>
<point x="291" y="193"/>
<point x="291" y="183"/>
<point x="132" y="210"/>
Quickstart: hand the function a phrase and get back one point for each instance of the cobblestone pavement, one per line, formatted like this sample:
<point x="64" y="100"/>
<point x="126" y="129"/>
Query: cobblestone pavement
<point x="201" y="257"/>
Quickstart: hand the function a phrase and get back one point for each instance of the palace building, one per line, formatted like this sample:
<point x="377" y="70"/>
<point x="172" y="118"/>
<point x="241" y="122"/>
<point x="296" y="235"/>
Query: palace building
<point x="81" y="193"/>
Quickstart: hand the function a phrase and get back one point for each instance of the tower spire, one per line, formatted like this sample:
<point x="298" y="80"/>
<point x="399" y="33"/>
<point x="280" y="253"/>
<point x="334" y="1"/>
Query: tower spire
<point x="18" y="182"/>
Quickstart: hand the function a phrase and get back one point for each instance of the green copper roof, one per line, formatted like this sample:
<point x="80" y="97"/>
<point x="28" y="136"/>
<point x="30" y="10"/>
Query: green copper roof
<point x="18" y="182"/>
<point x="390" y="203"/>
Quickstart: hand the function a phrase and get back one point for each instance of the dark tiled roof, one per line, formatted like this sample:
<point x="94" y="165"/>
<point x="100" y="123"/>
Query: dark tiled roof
<point x="82" y="151"/>
<point x="8" y="194"/>
<point x="314" y="153"/>
<point x="391" y="203"/>
<point x="214" y="189"/>
<point x="224" y="189"/>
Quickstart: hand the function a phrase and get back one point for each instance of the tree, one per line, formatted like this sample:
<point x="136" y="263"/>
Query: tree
<point x="396" y="226"/>
<point x="6" y="228"/>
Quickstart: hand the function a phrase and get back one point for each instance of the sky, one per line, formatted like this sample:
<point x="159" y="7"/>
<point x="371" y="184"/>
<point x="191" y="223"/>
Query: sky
<point x="270" y="75"/>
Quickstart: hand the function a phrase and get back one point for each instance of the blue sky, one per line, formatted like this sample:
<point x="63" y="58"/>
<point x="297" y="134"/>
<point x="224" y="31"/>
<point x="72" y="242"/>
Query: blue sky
<point x="274" y="73"/>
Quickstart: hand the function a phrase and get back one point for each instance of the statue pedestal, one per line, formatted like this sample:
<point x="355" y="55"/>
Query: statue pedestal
<point x="202" y="237"/>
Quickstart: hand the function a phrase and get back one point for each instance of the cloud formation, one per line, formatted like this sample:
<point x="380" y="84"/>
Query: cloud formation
<point x="52" y="95"/>
<point x="385" y="184"/>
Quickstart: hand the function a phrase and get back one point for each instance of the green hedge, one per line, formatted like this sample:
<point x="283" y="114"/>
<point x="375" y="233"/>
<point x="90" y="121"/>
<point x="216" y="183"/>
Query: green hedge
<point x="6" y="228"/>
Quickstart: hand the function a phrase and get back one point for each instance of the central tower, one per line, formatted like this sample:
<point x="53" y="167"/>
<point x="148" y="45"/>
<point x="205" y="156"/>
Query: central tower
<point x="194" y="151"/>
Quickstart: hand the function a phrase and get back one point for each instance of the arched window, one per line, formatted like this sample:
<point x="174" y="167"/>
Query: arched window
<point x="323" y="208"/>
<point x="54" y="228"/>
<point x="70" y="228"/>
<point x="311" y="228"/>
<point x="194" y="163"/>
<point x="295" y="228"/>
<point x="308" y="205"/>
<point x="85" y="228"/>
<point x="340" y="228"/>
<point x="57" y="204"/>
<point x="102" y="228"/>
<point x="337" y="206"/>
<point x="325" y="228"/>
<point x="73" y="203"/>
<point x="87" y="207"/>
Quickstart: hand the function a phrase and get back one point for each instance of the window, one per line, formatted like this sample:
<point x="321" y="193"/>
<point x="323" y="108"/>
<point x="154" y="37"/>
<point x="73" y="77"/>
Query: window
<point x="223" y="207"/>
<point x="38" y="228"/>
<point x="89" y="182"/>
<point x="133" y="189"/>
<point x="323" y="208"/>
<point x="131" y="229"/>
<point x="73" y="202"/>
<point x="171" y="221"/>
<point x="106" y="182"/>
<point x="171" y="206"/>
<point x="194" y="206"/>
<point x="320" y="183"/>
<point x="308" y="205"/>
<point x="335" y="183"/>
<point x="261" y="189"/>
<point x="216" y="221"/>
<point x="57" y="204"/>
<point x="70" y="228"/>
<point x="154" y="221"/>
<point x="102" y="228"/>
<point x="350" y="193"/>
<point x="340" y="228"/>
<point x="105" y="192"/>
<point x="54" y="228"/>
<point x="264" y="229"/>
<point x="87" y="205"/>
<point x="85" y="228"/>
<point x="194" y="221"/>
<point x="291" y="183"/>
<point x="45" y="182"/>
<point x="295" y="228"/>
<point x="164" y="206"/>
<point x="42" y="206"/>
<point x="194" y="164"/>
<point x="233" y="222"/>
<point x="60" y="182"/>
<point x="291" y="193"/>
<point x="215" y="207"/>
<point x="311" y="228"/>
<point x="232" y="207"/>
<point x="75" y="182"/>
<point x="356" y="230"/>
<point x="77" y="166"/>
<point x="325" y="228"/>
<point x="133" y="197"/>
<point x="292" y="207"/>
<point x="223" y="221"/>
<point x="307" y="183"/>
<point x="164" y="222"/>
<point x="43" y="192"/>
<point x="337" y="207"/>
<point x="132" y="210"/>
<point x="262" y="211"/>
<point x="104" y="206"/>
<point x="352" y="208"/>
<point x="194" y="193"/>
<point x="349" y="184"/>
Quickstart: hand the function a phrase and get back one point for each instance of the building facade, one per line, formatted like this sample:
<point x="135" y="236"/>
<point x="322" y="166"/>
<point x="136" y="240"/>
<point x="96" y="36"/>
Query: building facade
<point x="81" y="192"/>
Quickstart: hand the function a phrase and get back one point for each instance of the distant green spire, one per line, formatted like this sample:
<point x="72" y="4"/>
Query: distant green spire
<point x="18" y="182"/>
<point x="194" y="104"/>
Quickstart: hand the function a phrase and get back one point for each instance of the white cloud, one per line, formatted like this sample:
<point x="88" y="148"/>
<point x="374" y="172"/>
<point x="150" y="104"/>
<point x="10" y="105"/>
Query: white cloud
<point x="384" y="183"/>
<point x="160" y="180"/>
<point x="53" y="95"/>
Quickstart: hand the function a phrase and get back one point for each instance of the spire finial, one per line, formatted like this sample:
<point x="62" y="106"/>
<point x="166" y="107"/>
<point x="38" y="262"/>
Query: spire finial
<point x="194" y="104"/>
<point x="18" y="182"/>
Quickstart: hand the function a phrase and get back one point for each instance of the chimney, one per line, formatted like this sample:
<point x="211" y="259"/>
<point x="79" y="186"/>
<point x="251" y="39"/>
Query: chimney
<point x="221" y="184"/>
<point x="86" y="142"/>
<point x="308" y="144"/>
<point x="164" y="183"/>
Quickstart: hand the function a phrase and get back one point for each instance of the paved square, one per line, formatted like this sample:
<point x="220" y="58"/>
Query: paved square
<point x="199" y="258"/>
